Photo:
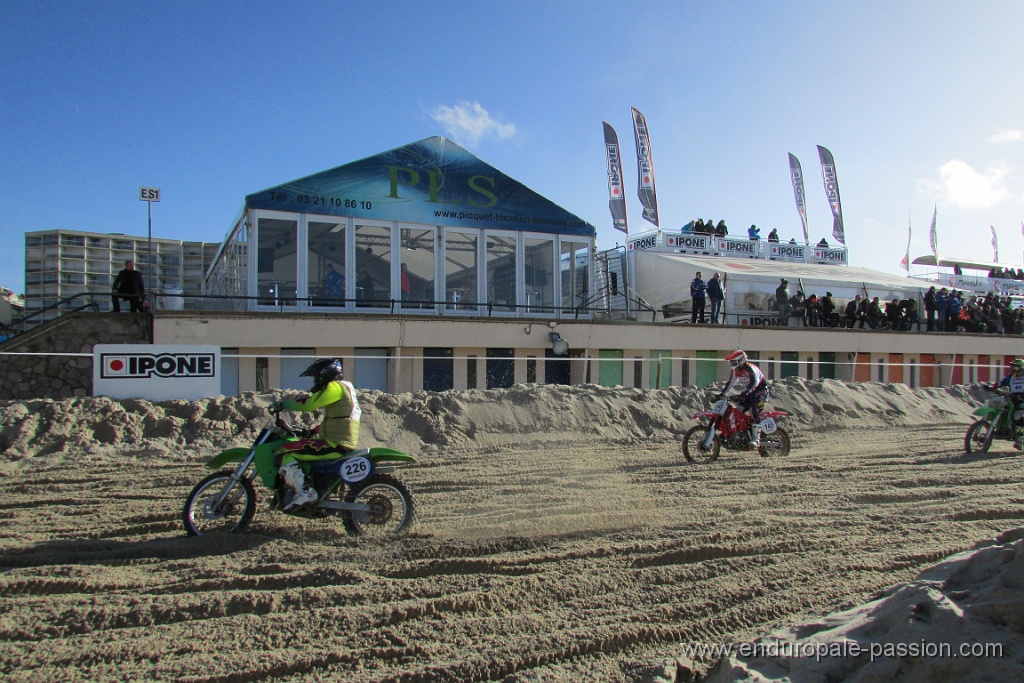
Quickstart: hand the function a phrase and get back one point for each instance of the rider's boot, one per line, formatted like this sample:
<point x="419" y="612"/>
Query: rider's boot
<point x="755" y="436"/>
<point x="1018" y="443"/>
<point x="302" y="493"/>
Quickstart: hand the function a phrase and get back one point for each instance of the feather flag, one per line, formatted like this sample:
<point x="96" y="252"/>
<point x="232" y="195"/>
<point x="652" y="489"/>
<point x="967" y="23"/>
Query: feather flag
<point x="645" y="168"/>
<point x="933" y="239"/>
<point x="995" y="245"/>
<point x="828" y="175"/>
<point x="905" y="263"/>
<point x="797" y="176"/>
<point x="616" y="197"/>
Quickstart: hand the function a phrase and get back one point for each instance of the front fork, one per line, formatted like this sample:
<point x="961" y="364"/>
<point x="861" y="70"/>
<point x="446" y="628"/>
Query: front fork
<point x="226" y="495"/>
<point x="710" y="438"/>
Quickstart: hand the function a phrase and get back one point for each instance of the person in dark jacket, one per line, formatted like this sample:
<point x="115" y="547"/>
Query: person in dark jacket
<point x="851" y="311"/>
<point x="698" y="288"/>
<point x="782" y="301"/>
<point x="929" y="309"/>
<point x="128" y="285"/>
<point x="717" y="296"/>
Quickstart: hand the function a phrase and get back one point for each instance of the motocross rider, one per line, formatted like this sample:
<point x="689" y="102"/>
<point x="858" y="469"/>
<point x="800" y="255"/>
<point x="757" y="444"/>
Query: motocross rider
<point x="337" y="434"/>
<point x="1015" y="382"/>
<point x="753" y="397"/>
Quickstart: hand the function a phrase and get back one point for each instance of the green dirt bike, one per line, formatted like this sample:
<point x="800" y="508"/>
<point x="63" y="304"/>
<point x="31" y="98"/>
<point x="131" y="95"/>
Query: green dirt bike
<point x="358" y="486"/>
<point x="996" y="422"/>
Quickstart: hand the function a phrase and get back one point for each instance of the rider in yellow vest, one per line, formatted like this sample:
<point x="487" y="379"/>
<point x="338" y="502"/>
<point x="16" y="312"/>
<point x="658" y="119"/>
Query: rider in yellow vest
<point x="337" y="434"/>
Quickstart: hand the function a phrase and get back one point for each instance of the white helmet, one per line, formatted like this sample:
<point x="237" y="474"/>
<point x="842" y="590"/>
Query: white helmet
<point x="737" y="358"/>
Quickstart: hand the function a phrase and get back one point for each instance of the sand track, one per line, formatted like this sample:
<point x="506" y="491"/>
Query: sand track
<point x="562" y="561"/>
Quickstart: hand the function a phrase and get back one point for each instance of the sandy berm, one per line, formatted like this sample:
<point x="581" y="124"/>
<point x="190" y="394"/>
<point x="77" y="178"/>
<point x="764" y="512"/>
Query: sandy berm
<point x="561" y="537"/>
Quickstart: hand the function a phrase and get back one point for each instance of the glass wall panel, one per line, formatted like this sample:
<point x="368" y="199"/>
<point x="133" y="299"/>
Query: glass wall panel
<point x="460" y="271"/>
<point x="575" y="267"/>
<point x="373" y="265"/>
<point x="539" y="265"/>
<point x="276" y="263"/>
<point x="325" y="261"/>
<point x="416" y="277"/>
<point x="501" y="272"/>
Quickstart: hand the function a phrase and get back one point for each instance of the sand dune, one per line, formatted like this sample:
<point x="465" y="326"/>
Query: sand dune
<point x="562" y="537"/>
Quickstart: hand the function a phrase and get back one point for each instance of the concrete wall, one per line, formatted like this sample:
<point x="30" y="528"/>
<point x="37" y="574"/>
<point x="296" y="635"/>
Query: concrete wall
<point x="64" y="375"/>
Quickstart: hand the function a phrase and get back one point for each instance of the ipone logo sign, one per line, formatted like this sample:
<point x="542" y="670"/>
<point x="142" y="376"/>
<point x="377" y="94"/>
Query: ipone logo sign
<point x="164" y="365"/>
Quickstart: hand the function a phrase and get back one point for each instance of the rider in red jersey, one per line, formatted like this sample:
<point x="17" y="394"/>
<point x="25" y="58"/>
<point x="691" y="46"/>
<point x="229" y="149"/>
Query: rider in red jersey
<point x="754" y="394"/>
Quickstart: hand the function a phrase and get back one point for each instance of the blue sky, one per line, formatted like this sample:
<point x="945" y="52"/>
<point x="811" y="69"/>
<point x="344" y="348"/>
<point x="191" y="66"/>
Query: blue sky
<point x="920" y="102"/>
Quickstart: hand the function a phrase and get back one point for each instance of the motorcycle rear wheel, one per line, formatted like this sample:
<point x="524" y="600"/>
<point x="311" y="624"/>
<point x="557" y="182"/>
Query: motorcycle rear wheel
<point x="693" y="447"/>
<point x="976" y="440"/>
<point x="774" y="445"/>
<point x="394" y="510"/>
<point x="203" y="516"/>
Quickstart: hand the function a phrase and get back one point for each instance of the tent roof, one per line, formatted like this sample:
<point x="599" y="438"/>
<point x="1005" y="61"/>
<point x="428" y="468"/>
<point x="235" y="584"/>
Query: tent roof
<point x="949" y="262"/>
<point x="793" y="271"/>
<point x="433" y="182"/>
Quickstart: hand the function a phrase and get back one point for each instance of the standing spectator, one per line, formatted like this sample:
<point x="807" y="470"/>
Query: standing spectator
<point x="717" y="296"/>
<point x="773" y="236"/>
<point x="851" y="311"/>
<point x="954" y="306"/>
<point x="823" y="243"/>
<point x="334" y="282"/>
<point x="697" y="291"/>
<point x="929" y="309"/>
<point x="721" y="230"/>
<point x="406" y="285"/>
<point x="942" y="309"/>
<point x="128" y="285"/>
<point x="753" y="232"/>
<point x="366" y="290"/>
<point x="782" y="301"/>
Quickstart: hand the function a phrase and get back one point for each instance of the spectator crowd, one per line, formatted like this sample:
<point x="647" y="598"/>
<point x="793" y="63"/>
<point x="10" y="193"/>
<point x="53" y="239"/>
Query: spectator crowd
<point x="945" y="311"/>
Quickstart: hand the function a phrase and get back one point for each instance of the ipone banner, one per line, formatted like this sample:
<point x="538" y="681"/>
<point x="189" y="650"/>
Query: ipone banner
<point x="432" y="182"/>
<point x="157" y="372"/>
<point x="785" y="252"/>
<point x="616" y="197"/>
<point x="797" y="175"/>
<point x="822" y="255"/>
<point x="831" y="182"/>
<point x="645" y="168"/>
<point x="697" y="243"/>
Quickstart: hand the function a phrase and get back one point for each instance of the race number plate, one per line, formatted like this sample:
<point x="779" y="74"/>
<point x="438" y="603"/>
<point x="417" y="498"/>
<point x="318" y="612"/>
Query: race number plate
<point x="719" y="408"/>
<point x="768" y="425"/>
<point x="356" y="469"/>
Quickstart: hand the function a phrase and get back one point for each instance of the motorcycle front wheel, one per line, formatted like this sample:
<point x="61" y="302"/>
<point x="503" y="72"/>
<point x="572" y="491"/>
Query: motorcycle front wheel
<point x="774" y="445"/>
<point x="977" y="439"/>
<point x="392" y="509"/>
<point x="203" y="513"/>
<point x="693" y="445"/>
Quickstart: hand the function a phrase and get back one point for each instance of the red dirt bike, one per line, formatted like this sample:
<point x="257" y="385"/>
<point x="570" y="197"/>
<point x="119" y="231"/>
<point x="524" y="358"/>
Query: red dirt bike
<point x="727" y="426"/>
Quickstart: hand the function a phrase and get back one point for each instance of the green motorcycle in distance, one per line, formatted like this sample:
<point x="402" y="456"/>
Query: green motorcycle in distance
<point x="996" y="422"/>
<point x="359" y="487"/>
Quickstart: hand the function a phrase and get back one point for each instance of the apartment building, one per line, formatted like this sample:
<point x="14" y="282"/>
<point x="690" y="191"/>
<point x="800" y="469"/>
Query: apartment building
<point x="66" y="269"/>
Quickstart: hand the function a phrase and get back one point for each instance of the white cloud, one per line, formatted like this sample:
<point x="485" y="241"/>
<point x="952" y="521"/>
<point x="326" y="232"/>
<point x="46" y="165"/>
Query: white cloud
<point x="1008" y="135"/>
<point x="469" y="122"/>
<point x="965" y="187"/>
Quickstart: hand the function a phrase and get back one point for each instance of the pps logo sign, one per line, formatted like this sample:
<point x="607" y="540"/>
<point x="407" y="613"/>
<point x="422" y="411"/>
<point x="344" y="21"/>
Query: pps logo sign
<point x="156" y="372"/>
<point x="145" y="365"/>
